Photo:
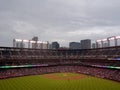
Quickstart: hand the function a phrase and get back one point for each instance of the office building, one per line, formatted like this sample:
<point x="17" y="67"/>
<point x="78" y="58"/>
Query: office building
<point x="74" y="45"/>
<point x="86" y="44"/>
<point x="93" y="45"/>
<point x="55" y="45"/>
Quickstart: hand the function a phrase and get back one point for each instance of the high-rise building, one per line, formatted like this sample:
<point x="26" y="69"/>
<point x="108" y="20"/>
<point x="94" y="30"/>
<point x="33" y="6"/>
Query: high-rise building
<point x="55" y="45"/>
<point x="74" y="45"/>
<point x="93" y="45"/>
<point x="86" y="44"/>
<point x="35" y="38"/>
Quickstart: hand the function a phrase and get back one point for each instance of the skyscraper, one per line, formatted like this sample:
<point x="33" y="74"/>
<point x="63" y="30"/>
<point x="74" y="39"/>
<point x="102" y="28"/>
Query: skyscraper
<point x="86" y="44"/>
<point x="93" y="45"/>
<point x="55" y="45"/>
<point x="74" y="45"/>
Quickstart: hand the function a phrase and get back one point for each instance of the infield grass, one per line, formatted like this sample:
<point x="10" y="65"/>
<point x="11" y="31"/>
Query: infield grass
<point x="39" y="82"/>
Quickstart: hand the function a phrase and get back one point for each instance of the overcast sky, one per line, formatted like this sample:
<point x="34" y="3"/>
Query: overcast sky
<point x="58" y="20"/>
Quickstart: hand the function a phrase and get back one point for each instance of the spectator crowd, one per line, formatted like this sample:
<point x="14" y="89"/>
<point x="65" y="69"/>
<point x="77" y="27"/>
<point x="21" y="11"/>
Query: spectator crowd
<point x="112" y="74"/>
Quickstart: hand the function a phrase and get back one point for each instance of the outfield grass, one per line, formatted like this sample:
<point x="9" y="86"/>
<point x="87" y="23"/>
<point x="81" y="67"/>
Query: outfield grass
<point x="39" y="82"/>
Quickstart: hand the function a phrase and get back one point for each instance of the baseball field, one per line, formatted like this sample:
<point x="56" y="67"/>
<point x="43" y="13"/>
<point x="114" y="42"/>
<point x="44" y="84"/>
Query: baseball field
<point x="58" y="81"/>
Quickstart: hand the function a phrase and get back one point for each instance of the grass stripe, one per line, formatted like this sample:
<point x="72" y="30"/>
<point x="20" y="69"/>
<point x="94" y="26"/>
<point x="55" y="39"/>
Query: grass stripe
<point x="39" y="82"/>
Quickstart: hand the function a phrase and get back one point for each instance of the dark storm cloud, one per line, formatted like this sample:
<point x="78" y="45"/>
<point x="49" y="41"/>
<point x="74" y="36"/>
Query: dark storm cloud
<point x="58" y="20"/>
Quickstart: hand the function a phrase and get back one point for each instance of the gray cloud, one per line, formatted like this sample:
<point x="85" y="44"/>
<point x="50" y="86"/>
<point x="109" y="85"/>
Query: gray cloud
<point x="58" y="20"/>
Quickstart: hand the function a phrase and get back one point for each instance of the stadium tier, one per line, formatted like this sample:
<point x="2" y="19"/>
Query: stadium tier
<point x="101" y="62"/>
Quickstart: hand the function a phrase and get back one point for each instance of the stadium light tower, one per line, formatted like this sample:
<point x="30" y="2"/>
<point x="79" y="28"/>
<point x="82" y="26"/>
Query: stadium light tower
<point x="108" y="42"/>
<point x="112" y="38"/>
<point x="14" y="43"/>
<point x="97" y="43"/>
<point x="116" y="41"/>
<point x="102" y="41"/>
<point x="16" y="40"/>
<point x="115" y="38"/>
<point x="40" y="44"/>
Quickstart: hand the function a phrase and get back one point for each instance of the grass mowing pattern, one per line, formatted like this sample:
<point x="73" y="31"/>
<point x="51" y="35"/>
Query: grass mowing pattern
<point x="39" y="82"/>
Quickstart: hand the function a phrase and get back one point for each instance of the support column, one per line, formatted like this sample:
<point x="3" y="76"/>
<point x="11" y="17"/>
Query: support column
<point x="22" y="44"/>
<point x="102" y="43"/>
<point x="96" y="44"/>
<point x="108" y="42"/>
<point x="116" y="41"/>
<point x="47" y="45"/>
<point x="29" y="44"/>
<point x="14" y="42"/>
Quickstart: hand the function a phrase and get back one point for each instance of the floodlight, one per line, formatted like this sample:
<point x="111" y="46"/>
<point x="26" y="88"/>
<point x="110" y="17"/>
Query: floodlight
<point x="45" y="42"/>
<point x="98" y="40"/>
<point x="25" y="40"/>
<point x="39" y="42"/>
<point x="32" y="41"/>
<point x="104" y="39"/>
<point x="18" y="40"/>
<point x="118" y="37"/>
<point x="112" y="38"/>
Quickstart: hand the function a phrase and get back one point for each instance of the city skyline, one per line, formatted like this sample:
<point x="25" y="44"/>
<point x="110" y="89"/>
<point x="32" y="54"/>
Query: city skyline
<point x="58" y="20"/>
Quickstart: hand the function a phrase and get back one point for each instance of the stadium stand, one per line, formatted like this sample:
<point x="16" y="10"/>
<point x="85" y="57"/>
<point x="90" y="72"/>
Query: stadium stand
<point x="101" y="62"/>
